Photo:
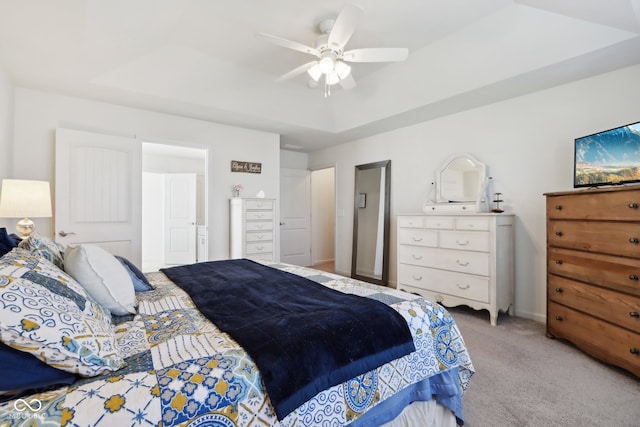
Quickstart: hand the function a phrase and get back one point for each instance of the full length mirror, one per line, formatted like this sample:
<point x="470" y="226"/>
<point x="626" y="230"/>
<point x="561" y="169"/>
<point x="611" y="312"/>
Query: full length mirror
<point x="370" y="255"/>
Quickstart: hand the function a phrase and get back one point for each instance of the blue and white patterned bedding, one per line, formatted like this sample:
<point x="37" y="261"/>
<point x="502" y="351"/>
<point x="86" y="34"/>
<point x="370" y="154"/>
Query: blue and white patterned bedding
<point x="180" y="369"/>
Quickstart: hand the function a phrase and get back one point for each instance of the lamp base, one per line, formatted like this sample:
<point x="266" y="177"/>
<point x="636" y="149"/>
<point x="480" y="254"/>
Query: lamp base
<point x="25" y="227"/>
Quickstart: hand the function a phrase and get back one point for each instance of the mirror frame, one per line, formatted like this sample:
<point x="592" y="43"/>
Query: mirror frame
<point x="482" y="176"/>
<point x="386" y="223"/>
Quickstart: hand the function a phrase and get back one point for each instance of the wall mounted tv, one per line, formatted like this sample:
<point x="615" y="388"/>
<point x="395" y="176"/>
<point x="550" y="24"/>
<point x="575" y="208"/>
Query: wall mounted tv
<point x="611" y="157"/>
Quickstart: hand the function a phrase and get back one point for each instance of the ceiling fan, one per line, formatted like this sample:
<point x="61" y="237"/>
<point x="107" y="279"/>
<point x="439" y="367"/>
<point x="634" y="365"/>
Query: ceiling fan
<point x="331" y="65"/>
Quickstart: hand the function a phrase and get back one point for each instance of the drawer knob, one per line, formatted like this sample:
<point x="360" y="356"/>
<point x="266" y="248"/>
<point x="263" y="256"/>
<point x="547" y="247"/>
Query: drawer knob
<point x="416" y="256"/>
<point x="559" y="290"/>
<point x="559" y="318"/>
<point x="559" y="261"/>
<point x="634" y="240"/>
<point x="633" y="277"/>
<point x="633" y="206"/>
<point x="417" y="239"/>
<point x="465" y="243"/>
<point x="462" y="264"/>
<point x="463" y="287"/>
<point x="634" y="351"/>
<point x="418" y="277"/>
<point x="634" y="314"/>
<point x="558" y="207"/>
<point x="559" y="233"/>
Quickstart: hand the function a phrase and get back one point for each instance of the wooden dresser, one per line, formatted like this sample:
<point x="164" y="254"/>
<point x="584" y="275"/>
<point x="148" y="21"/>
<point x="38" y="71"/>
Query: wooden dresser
<point x="252" y="228"/>
<point x="593" y="271"/>
<point x="458" y="259"/>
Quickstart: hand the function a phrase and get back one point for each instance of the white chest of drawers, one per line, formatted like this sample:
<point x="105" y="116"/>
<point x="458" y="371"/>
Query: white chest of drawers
<point x="458" y="259"/>
<point x="252" y="229"/>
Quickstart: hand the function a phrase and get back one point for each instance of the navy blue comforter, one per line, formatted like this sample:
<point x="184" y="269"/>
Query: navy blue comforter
<point x="303" y="336"/>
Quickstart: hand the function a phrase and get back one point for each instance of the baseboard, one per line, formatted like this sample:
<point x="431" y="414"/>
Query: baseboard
<point x="542" y="318"/>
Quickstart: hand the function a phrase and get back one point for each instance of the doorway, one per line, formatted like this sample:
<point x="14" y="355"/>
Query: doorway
<point x="323" y="218"/>
<point x="169" y="239"/>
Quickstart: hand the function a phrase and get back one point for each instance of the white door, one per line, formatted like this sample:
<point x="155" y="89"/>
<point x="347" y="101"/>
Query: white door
<point x="295" y="202"/>
<point x="180" y="218"/>
<point x="97" y="191"/>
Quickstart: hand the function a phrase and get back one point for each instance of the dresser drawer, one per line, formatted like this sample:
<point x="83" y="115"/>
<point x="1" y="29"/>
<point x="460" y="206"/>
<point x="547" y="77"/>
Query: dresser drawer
<point x="411" y="222"/>
<point x="620" y="274"/>
<point x="259" y="204"/>
<point x="615" y="307"/>
<point x="615" y="238"/>
<point x="419" y="237"/>
<point x="259" y="236"/>
<point x="258" y="215"/>
<point x="259" y="225"/>
<point x="613" y="205"/>
<point x="259" y="247"/>
<point x="439" y="222"/>
<point x="468" y="241"/>
<point x="464" y="262"/>
<point x="456" y="284"/>
<point x="471" y="223"/>
<point x="601" y="339"/>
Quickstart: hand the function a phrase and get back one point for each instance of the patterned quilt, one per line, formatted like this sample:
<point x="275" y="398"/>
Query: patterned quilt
<point x="181" y="370"/>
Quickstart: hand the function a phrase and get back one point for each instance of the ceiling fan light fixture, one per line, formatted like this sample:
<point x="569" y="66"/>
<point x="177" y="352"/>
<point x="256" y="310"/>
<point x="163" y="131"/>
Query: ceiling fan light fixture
<point x="327" y="64"/>
<point x="315" y="72"/>
<point x="342" y="69"/>
<point x="331" y="78"/>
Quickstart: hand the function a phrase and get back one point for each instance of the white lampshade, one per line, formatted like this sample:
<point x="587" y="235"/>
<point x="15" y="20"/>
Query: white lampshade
<point x="315" y="72"/>
<point x="23" y="199"/>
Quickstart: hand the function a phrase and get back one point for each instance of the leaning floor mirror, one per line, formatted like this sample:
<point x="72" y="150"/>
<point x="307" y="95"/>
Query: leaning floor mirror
<point x="370" y="254"/>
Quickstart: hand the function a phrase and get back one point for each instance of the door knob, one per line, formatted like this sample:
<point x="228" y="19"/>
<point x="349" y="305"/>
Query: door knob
<point x="62" y="233"/>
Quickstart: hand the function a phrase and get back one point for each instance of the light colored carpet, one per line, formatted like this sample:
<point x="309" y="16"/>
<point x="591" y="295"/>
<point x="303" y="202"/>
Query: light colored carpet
<point x="524" y="378"/>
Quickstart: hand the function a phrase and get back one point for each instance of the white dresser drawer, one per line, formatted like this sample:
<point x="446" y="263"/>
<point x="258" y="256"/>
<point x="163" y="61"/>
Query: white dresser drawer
<point x="411" y="222"/>
<point x="419" y="237"/>
<point x="472" y="223"/>
<point x="259" y="226"/>
<point x="259" y="247"/>
<point x="439" y="222"/>
<point x="465" y="240"/>
<point x="257" y="215"/>
<point x="259" y="204"/>
<point x="456" y="284"/>
<point x="460" y="261"/>
<point x="259" y="236"/>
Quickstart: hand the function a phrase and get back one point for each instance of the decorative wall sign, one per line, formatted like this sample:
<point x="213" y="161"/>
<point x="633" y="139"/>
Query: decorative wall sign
<point x="247" y="167"/>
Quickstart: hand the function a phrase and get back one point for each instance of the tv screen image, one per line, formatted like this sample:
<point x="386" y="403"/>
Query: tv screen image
<point x="611" y="157"/>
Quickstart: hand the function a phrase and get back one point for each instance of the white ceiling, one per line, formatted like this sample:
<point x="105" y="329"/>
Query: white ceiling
<point x="201" y="59"/>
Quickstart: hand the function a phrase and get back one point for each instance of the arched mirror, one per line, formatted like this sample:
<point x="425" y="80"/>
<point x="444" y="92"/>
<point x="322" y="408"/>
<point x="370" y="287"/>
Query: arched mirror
<point x="370" y="255"/>
<point x="460" y="179"/>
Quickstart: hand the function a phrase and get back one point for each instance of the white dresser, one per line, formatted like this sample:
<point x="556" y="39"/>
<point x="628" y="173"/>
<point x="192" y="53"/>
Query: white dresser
<point x="252" y="229"/>
<point x="458" y="259"/>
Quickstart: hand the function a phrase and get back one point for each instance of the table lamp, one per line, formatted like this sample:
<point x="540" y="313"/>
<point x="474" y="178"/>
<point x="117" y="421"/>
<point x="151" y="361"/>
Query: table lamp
<point x="24" y="199"/>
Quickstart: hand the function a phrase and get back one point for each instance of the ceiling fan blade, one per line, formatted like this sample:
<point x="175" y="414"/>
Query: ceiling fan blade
<point x="344" y="26"/>
<point x="297" y="71"/>
<point x="289" y="44"/>
<point x="348" y="82"/>
<point x="379" y="54"/>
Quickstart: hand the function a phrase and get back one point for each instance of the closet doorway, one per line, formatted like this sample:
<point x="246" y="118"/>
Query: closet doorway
<point x="173" y="205"/>
<point x="323" y="218"/>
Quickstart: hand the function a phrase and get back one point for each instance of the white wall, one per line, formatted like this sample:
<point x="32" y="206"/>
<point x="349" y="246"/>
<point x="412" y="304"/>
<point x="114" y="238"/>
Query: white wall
<point x="322" y="215"/>
<point x="38" y="114"/>
<point x="527" y="143"/>
<point x="6" y="133"/>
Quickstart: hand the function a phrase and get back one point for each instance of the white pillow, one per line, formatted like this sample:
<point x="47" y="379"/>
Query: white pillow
<point x="103" y="276"/>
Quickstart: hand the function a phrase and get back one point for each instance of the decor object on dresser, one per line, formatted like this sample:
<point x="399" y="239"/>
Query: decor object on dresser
<point x="370" y="252"/>
<point x="460" y="186"/>
<point x="458" y="259"/>
<point x="252" y="231"/>
<point x="22" y="199"/>
<point x="593" y="270"/>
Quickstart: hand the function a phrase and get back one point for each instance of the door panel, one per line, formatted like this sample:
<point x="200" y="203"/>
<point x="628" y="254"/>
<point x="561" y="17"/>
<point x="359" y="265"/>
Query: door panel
<point x="295" y="202"/>
<point x="180" y="218"/>
<point x="97" y="191"/>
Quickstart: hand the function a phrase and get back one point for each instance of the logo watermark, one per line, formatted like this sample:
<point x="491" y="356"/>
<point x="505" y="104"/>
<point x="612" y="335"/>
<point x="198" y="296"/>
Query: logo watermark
<point x="26" y="410"/>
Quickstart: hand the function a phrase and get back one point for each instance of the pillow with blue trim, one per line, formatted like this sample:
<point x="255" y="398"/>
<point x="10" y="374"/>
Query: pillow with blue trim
<point x="45" y="247"/>
<point x="48" y="314"/>
<point x="6" y="242"/>
<point x="140" y="282"/>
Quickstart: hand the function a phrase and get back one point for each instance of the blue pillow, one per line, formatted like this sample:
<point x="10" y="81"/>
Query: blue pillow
<point x="6" y="242"/>
<point x="140" y="282"/>
<point x="23" y="371"/>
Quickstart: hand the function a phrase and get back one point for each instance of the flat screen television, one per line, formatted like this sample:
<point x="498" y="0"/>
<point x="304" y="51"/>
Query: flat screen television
<point x="611" y="157"/>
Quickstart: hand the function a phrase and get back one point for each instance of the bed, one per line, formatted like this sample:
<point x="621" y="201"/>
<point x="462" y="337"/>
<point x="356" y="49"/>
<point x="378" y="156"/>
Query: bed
<point x="167" y="364"/>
